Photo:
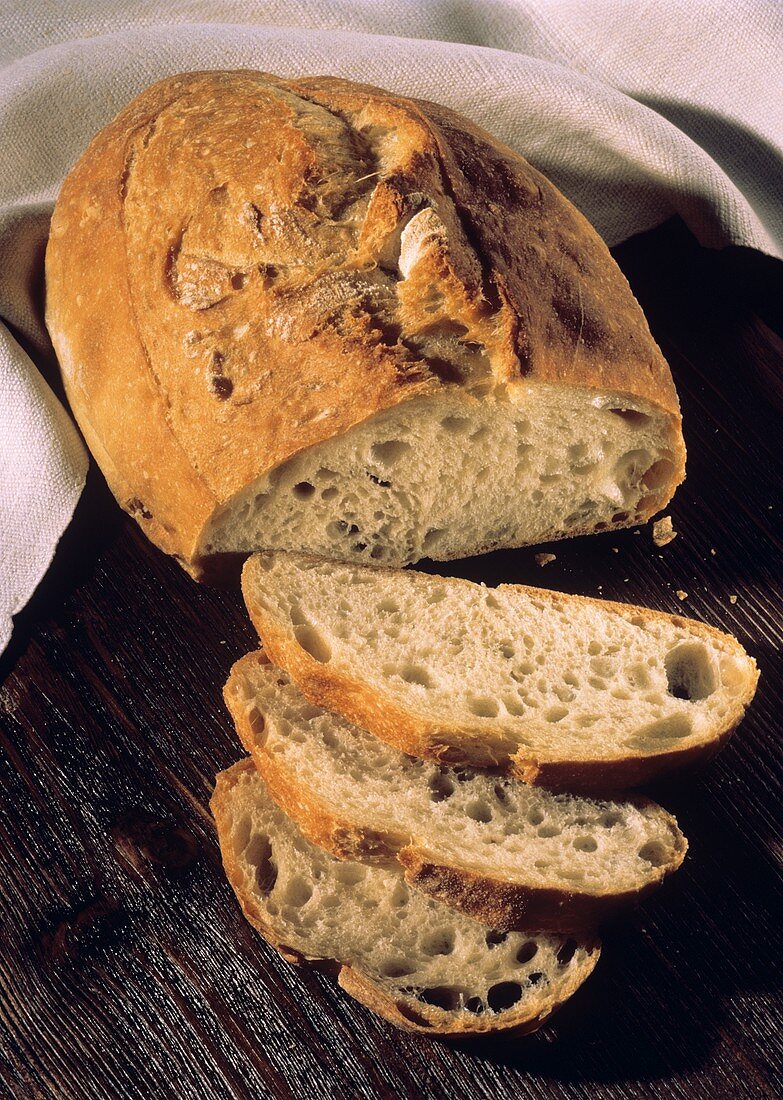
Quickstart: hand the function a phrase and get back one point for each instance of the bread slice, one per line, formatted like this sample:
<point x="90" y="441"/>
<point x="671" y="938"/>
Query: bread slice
<point x="562" y="691"/>
<point x="338" y="320"/>
<point x="407" y="957"/>
<point x="505" y="853"/>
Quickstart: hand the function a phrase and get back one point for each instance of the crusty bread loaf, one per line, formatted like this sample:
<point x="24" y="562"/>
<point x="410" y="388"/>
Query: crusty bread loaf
<point x="317" y="316"/>
<point x="507" y="854"/>
<point x="407" y="957"/>
<point x="563" y="691"/>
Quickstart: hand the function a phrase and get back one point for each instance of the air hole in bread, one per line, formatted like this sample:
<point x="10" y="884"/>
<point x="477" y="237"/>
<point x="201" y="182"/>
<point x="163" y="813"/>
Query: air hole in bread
<point x="436" y="595"/>
<point x="535" y="817"/>
<point x="441" y="787"/>
<point x="654" y="852"/>
<point x="390" y="452"/>
<point x="298" y="892"/>
<point x="257" y="723"/>
<point x="610" y="818"/>
<point x="410" y="673"/>
<point x="527" y="951"/>
<point x="484" y="707"/>
<point x="438" y="943"/>
<point x="480" y="435"/>
<point x="620" y="517"/>
<point x="399" y="895"/>
<point x="690" y="672"/>
<point x="491" y="601"/>
<point x="566" y="952"/>
<point x="523" y="669"/>
<point x="620" y="693"/>
<point x="577" y="452"/>
<point x="585" y="721"/>
<point x="389" y="605"/>
<point x="241" y="834"/>
<point x="330" y="493"/>
<point x="556" y="714"/>
<point x="259" y="855"/>
<point x="585" y="844"/>
<point x="313" y="642"/>
<point x="514" y="706"/>
<point x="410" y="1014"/>
<point x="455" y="425"/>
<point x="350" y="873"/>
<point x="395" y="969"/>
<point x="536" y="496"/>
<point x="478" y="810"/>
<point x="658" y="476"/>
<point x="503" y="995"/>
<point x="441" y="996"/>
<point x="493" y="938"/>
<point x="239" y="280"/>
<point x="432" y="538"/>
<point x="474" y="1005"/>
<point x="546" y="831"/>
<point x="501" y="794"/>
<point x="674" y="728"/>
<point x="506" y="650"/>
<point x="631" y="416"/>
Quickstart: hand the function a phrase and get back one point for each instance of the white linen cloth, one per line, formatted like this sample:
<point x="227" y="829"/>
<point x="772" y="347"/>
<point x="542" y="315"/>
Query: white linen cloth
<point x="636" y="109"/>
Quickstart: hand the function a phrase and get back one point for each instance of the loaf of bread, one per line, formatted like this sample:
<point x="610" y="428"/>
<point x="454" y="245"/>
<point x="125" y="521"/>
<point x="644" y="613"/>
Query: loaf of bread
<point x="506" y="853"/>
<point x="314" y="315"/>
<point x="405" y="956"/>
<point x="562" y="691"/>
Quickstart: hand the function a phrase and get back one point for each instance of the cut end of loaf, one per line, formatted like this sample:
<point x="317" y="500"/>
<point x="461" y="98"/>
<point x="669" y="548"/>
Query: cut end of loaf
<point x="450" y="476"/>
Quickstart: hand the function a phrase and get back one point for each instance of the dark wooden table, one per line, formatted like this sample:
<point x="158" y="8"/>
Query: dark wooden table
<point x="126" y="969"/>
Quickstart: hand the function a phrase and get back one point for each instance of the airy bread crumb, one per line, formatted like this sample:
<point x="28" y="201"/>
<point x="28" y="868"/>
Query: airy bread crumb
<point x="663" y="533"/>
<point x="544" y="559"/>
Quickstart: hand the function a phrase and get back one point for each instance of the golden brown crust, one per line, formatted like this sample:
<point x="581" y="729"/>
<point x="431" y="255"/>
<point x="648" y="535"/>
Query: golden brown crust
<point x="462" y="745"/>
<point x="220" y="292"/>
<point x="496" y="902"/>
<point x="421" y="1018"/>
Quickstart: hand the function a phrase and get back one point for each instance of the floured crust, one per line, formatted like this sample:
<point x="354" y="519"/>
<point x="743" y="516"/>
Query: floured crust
<point x="480" y="746"/>
<point x="219" y="296"/>
<point x="403" y="1013"/>
<point x="499" y="903"/>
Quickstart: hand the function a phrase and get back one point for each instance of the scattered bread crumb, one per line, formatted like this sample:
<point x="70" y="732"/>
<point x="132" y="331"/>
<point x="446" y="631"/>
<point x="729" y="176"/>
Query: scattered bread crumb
<point x="713" y="551"/>
<point x="663" y="532"/>
<point x="615" y="549"/>
<point x="681" y="595"/>
<point x="732" y="599"/>
<point x="544" y="559"/>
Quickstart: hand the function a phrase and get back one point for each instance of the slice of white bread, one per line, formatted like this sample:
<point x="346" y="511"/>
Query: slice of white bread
<point x="561" y="691"/>
<point x="405" y="956"/>
<point x="505" y="853"/>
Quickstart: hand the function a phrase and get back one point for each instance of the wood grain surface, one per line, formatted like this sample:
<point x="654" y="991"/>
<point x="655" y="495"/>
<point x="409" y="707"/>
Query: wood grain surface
<point x="126" y="969"/>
